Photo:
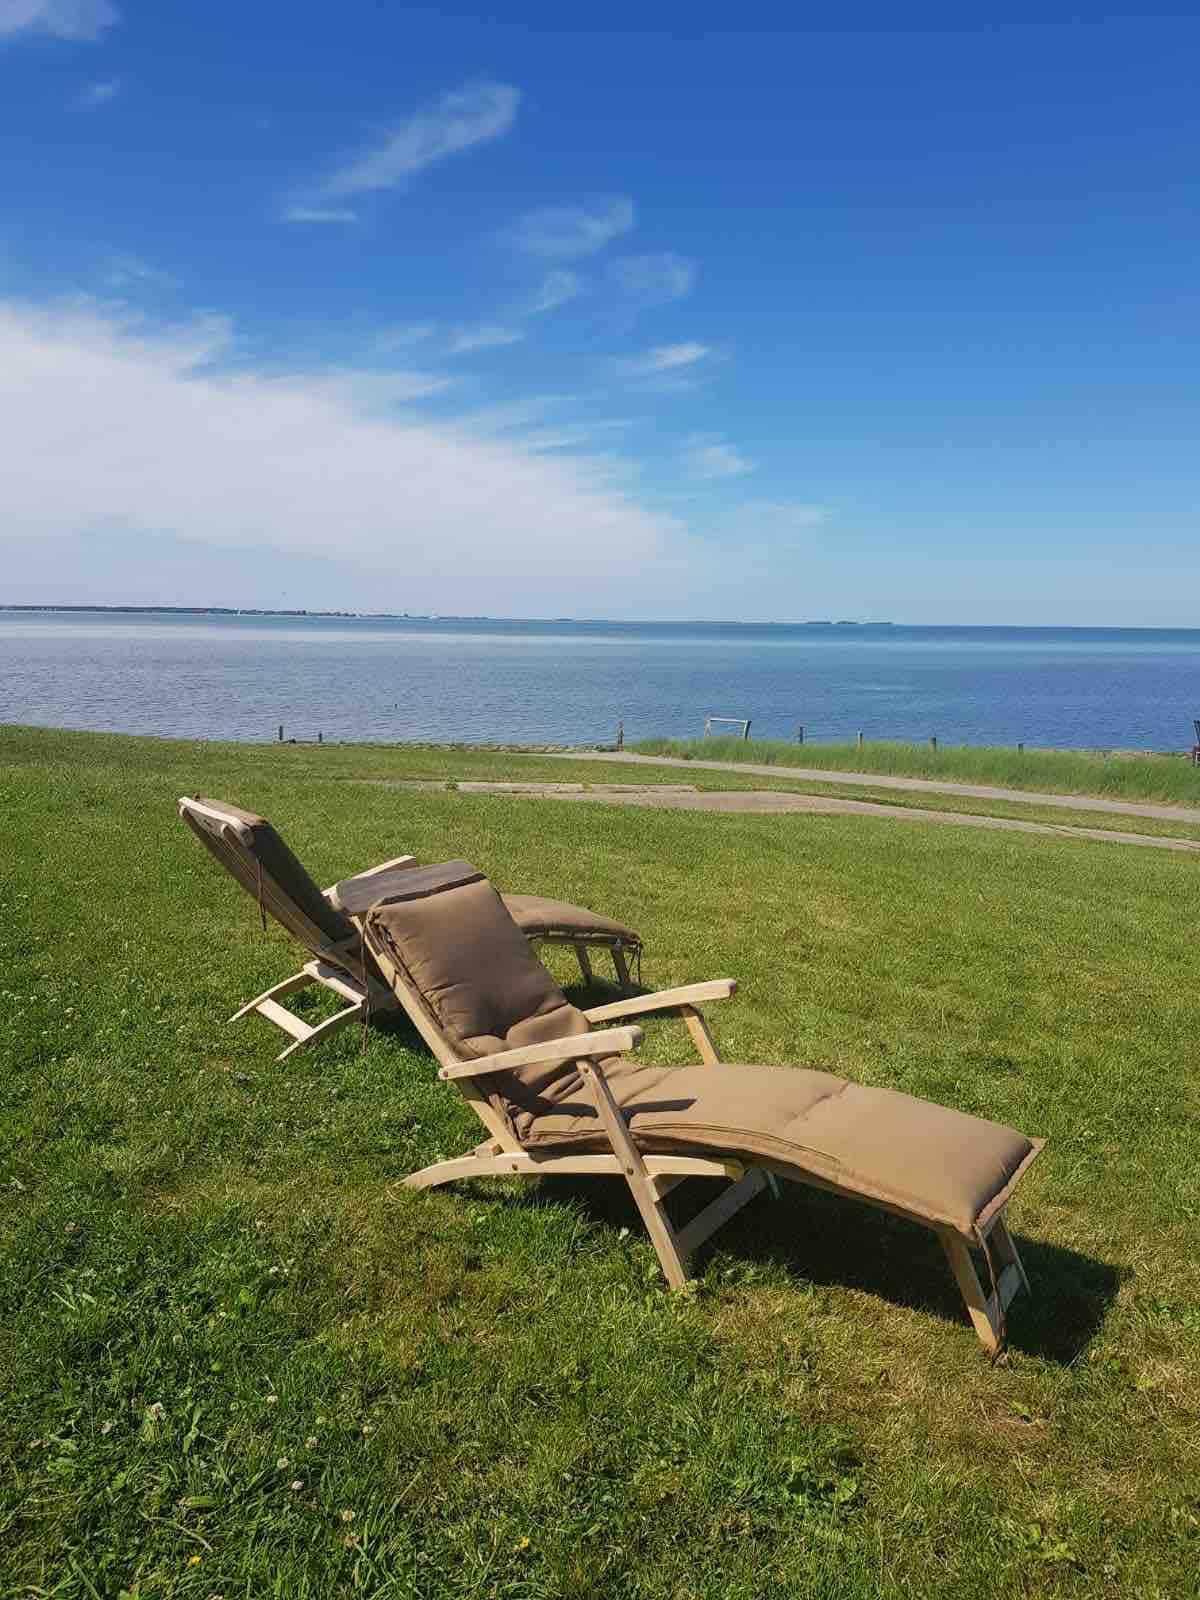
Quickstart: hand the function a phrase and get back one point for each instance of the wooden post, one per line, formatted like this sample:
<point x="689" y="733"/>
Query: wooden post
<point x="933" y="743"/>
<point x="746" y="735"/>
<point x="800" y="734"/>
<point x="860" y="739"/>
<point x="620" y="736"/>
<point x="281" y="733"/>
<point x="1021" y="749"/>
<point x="318" y="738"/>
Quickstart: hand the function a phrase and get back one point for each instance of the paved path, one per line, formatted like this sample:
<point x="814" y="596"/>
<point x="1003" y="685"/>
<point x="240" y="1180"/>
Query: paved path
<point x="774" y="802"/>
<point x="877" y="780"/>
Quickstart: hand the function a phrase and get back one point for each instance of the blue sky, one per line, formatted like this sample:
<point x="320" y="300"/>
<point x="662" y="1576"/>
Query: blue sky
<point x="826" y="313"/>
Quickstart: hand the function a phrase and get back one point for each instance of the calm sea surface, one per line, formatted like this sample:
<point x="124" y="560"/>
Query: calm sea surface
<point x="239" y="677"/>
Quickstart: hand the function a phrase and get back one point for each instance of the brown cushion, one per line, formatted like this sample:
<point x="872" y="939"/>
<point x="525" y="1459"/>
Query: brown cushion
<point x="355" y="896"/>
<point x="539" y="918"/>
<point x="265" y="848"/>
<point x="927" y="1159"/>
<point x="477" y="974"/>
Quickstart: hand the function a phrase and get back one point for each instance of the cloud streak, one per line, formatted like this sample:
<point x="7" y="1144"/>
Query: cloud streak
<point x="99" y="94"/>
<point x="164" y="444"/>
<point x="665" y="358"/>
<point x="573" y="231"/>
<point x="319" y="214"/>
<point x="80" y="20"/>
<point x="653" y="280"/>
<point x="558" y="287"/>
<point x="465" y="340"/>
<point x="472" y="115"/>
<point x="708" y="457"/>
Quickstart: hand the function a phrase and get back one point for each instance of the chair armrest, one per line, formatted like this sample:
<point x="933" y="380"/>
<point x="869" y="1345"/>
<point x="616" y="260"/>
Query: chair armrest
<point x="610" y="1042"/>
<point x="691" y="994"/>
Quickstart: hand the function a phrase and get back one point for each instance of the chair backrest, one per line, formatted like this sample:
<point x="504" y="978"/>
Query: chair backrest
<point x="467" y="976"/>
<point x="251" y="851"/>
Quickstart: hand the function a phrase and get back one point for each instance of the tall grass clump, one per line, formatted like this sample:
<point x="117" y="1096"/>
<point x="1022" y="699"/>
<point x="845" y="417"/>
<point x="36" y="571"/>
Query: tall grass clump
<point x="1083" y="772"/>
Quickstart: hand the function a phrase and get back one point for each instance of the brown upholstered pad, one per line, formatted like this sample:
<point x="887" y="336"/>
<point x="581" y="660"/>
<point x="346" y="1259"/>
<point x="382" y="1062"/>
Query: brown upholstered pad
<point x="355" y="896"/>
<point x="478" y="976"/>
<point x="942" y="1164"/>
<point x="539" y="918"/>
<point x="267" y="850"/>
<point x="536" y="916"/>
<point x="487" y="991"/>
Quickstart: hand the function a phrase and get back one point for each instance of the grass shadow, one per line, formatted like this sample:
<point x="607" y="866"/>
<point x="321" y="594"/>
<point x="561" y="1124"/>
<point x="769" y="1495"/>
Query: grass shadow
<point x="831" y="1240"/>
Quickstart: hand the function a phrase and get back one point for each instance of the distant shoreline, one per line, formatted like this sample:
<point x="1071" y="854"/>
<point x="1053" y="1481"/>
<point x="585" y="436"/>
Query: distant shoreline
<point x="424" y="616"/>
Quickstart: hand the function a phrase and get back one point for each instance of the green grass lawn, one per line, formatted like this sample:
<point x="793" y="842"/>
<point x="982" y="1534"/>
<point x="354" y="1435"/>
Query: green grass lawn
<point x="1170" y="779"/>
<point x="237" y="1360"/>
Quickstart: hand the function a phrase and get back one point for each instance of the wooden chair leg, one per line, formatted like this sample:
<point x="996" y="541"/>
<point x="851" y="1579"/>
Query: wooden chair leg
<point x="621" y="968"/>
<point x="585" y="964"/>
<point x="980" y="1306"/>
<point x="298" y="980"/>
<point x="651" y="1207"/>
<point x="322" y="1030"/>
<point x="719" y="1211"/>
<point x="1006" y="1252"/>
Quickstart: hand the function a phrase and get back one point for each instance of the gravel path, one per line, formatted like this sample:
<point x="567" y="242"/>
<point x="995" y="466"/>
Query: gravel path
<point x="774" y="802"/>
<point x="877" y="780"/>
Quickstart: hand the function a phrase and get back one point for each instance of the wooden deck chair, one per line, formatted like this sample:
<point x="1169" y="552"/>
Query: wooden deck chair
<point x="558" y="1095"/>
<point x="324" y="922"/>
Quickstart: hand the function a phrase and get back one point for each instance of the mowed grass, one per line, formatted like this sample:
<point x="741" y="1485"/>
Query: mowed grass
<point x="1170" y="779"/>
<point x="236" y="1359"/>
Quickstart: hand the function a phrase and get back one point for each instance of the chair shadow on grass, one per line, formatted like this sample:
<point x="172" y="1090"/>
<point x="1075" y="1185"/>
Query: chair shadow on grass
<point x="832" y="1240"/>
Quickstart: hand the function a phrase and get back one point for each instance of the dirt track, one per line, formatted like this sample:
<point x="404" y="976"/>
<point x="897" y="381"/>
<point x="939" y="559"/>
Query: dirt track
<point x="769" y="802"/>
<point x="877" y="780"/>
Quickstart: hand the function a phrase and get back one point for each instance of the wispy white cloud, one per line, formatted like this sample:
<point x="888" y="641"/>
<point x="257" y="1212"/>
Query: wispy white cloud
<point x="403" y="335"/>
<point x="165" y="444"/>
<point x="99" y="94"/>
<point x="371" y="392"/>
<point x="509" y="415"/>
<point x="127" y="271"/>
<point x="653" y="280"/>
<point x="488" y="337"/>
<point x="573" y="231"/>
<point x="557" y="288"/>
<point x="708" y="456"/>
<point x="572" y="435"/>
<point x="665" y="358"/>
<point x="455" y="122"/>
<point x="319" y="214"/>
<point x="780" y="517"/>
<point x="65" y="19"/>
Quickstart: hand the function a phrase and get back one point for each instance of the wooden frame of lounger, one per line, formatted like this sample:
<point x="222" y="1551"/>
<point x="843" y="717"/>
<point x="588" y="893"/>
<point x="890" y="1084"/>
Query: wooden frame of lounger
<point x="652" y="1177"/>
<point x="337" y="965"/>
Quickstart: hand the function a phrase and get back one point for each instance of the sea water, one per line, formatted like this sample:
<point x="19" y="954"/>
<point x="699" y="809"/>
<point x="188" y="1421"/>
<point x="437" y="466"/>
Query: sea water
<point x="348" y="678"/>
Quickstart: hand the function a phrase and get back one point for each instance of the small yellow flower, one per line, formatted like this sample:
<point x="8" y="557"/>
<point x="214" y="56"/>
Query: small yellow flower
<point x="522" y="1543"/>
<point x="193" y="1561"/>
<point x="347" y="1515"/>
